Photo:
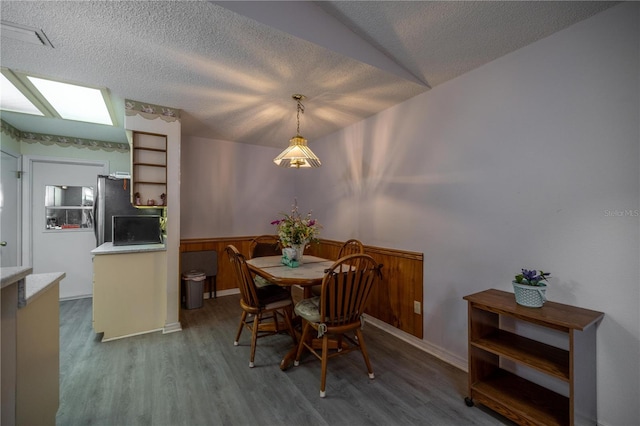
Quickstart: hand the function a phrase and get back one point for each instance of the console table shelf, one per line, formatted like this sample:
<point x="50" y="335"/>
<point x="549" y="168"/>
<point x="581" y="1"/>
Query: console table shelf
<point x="515" y="397"/>
<point x="527" y="402"/>
<point x="540" y="356"/>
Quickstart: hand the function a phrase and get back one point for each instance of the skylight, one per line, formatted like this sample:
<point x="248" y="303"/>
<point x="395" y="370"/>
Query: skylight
<point x="29" y="94"/>
<point x="14" y="100"/>
<point x="74" y="102"/>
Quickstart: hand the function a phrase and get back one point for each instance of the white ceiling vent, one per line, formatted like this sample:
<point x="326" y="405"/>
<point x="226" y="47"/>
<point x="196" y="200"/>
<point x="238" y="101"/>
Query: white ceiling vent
<point x="24" y="33"/>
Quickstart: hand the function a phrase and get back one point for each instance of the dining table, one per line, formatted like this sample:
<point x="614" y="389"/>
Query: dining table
<point x="308" y="273"/>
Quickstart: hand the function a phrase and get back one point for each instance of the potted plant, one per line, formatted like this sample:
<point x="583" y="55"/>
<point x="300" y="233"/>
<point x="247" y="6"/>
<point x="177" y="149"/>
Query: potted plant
<point x="530" y="286"/>
<point x="296" y="231"/>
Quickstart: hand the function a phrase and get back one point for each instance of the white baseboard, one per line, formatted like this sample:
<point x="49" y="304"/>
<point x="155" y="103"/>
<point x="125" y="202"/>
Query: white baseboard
<point x="436" y="351"/>
<point x="129" y="335"/>
<point x="172" y="327"/>
<point x="223" y="293"/>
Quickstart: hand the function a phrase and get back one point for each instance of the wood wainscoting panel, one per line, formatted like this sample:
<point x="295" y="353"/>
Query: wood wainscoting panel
<point x="224" y="279"/>
<point x="392" y="301"/>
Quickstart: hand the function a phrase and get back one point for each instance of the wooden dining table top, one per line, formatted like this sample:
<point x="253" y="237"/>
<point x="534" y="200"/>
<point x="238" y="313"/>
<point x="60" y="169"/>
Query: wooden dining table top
<point x="309" y="273"/>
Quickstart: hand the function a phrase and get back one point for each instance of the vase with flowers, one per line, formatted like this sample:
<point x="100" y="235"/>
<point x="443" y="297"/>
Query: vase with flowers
<point x="297" y="231"/>
<point x="529" y="288"/>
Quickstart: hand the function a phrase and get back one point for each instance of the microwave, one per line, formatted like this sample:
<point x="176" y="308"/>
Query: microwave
<point x="133" y="230"/>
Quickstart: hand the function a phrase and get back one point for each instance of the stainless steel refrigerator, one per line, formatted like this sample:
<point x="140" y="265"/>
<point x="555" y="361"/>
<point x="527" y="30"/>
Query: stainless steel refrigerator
<point x="112" y="198"/>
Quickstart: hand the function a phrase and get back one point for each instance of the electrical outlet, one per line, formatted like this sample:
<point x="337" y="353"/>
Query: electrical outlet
<point x="416" y="307"/>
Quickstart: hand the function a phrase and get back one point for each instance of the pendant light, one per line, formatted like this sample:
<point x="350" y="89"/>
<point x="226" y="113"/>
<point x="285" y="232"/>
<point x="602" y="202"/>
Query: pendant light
<point x="297" y="153"/>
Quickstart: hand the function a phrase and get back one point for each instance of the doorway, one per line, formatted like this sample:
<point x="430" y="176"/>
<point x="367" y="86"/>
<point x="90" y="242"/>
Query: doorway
<point x="62" y="248"/>
<point x="10" y="210"/>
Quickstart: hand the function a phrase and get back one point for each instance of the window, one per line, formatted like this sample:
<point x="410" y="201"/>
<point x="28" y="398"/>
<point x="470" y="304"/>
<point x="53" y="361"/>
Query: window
<point x="68" y="207"/>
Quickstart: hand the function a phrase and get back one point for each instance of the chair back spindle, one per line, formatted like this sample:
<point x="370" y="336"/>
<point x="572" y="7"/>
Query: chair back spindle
<point x="243" y="277"/>
<point x="346" y="288"/>
<point x="351" y="246"/>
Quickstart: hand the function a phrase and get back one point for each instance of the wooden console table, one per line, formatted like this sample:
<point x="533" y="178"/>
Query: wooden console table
<point x="515" y="397"/>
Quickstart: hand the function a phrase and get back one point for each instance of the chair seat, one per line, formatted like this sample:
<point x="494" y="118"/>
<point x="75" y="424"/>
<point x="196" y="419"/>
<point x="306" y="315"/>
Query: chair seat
<point x="271" y="294"/>
<point x="261" y="282"/>
<point x="309" y="309"/>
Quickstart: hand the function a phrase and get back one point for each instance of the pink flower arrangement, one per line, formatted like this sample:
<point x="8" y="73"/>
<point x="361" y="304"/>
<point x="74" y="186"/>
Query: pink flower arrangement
<point x="294" y="229"/>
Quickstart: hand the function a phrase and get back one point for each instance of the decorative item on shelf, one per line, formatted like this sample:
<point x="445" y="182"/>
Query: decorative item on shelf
<point x="296" y="232"/>
<point x="151" y="202"/>
<point x="530" y="287"/>
<point x="163" y="199"/>
<point x="297" y="154"/>
<point x="137" y="200"/>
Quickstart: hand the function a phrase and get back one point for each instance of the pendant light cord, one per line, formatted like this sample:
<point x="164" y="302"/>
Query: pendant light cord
<point x="300" y="108"/>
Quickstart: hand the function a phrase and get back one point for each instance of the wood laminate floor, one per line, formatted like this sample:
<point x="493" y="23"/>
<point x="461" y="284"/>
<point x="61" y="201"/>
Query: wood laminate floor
<point x="197" y="377"/>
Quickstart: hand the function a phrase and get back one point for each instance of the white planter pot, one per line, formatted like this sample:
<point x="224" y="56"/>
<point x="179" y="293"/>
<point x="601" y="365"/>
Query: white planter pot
<point x="532" y="296"/>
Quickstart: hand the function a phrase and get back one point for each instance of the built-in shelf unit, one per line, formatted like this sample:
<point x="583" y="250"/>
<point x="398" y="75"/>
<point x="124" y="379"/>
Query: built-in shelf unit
<point x="149" y="169"/>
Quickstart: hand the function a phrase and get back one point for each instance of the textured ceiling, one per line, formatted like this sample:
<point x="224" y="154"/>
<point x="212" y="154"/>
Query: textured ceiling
<point x="232" y="67"/>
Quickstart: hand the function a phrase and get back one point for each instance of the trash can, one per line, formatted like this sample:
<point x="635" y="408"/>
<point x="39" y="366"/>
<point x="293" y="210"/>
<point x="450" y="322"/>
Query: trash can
<point x="193" y="289"/>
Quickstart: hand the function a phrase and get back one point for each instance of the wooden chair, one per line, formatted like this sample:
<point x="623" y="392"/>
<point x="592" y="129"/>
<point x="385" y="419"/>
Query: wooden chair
<point x="349" y="247"/>
<point x="260" y="303"/>
<point x="264" y="245"/>
<point x="338" y="311"/>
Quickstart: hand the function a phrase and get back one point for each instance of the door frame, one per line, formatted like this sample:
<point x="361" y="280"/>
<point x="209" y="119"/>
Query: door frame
<point x="19" y="218"/>
<point x="27" y="190"/>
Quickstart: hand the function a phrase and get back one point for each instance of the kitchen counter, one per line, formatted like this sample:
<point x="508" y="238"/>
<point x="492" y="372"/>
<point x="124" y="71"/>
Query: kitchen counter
<point x="109" y="248"/>
<point x="129" y="289"/>
<point x="37" y="284"/>
<point x="12" y="293"/>
<point x="14" y="274"/>
<point x="30" y="286"/>
<point x="30" y="346"/>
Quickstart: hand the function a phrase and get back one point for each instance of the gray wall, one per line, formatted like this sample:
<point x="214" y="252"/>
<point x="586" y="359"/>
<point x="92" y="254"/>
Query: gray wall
<point x="231" y="189"/>
<point x="531" y="161"/>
